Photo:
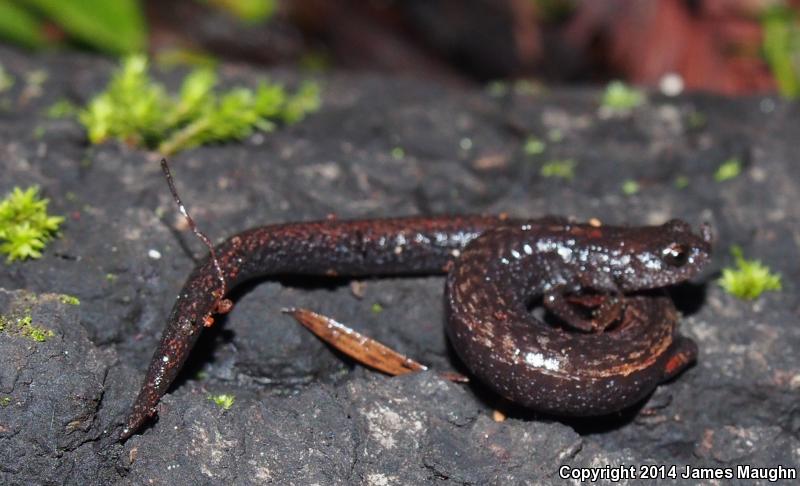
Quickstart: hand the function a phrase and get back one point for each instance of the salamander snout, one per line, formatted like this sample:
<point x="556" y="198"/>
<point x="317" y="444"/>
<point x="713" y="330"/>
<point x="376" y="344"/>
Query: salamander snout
<point x="665" y="255"/>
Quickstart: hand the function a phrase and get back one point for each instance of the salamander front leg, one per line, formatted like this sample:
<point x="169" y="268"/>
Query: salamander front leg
<point x="605" y="309"/>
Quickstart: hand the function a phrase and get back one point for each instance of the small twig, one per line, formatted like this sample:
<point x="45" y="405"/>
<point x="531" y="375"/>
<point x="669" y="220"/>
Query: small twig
<point x="361" y="348"/>
<point x="223" y="305"/>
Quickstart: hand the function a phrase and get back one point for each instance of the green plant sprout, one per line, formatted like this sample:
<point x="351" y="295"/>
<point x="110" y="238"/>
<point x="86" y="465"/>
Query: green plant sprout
<point x="630" y="187"/>
<point x="61" y="109"/>
<point x="223" y="400"/>
<point x="619" y="97"/>
<point x="398" y="153"/>
<point x="728" y="170"/>
<point x="561" y="169"/>
<point x="137" y="110"/>
<point x="749" y="279"/>
<point x="534" y="146"/>
<point x="69" y="299"/>
<point x="25" y="226"/>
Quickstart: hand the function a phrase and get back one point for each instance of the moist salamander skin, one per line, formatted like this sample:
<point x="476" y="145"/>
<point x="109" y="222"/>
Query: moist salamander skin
<point x="500" y="343"/>
<point x="553" y="369"/>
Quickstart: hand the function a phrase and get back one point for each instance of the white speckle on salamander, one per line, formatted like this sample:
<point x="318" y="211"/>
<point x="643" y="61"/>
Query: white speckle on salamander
<point x="537" y="360"/>
<point x="649" y="261"/>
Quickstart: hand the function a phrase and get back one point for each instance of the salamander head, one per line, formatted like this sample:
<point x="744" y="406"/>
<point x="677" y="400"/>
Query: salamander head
<point x="664" y="255"/>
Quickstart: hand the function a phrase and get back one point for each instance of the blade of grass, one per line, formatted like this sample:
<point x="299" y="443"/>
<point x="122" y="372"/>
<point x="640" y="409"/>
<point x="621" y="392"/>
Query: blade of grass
<point x="115" y="26"/>
<point x="19" y="26"/>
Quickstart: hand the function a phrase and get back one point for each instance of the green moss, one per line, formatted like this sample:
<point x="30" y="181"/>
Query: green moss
<point x="377" y="308"/>
<point x="69" y="300"/>
<point x="618" y="96"/>
<point x="38" y="334"/>
<point x="25" y="226"/>
<point x="398" y="153"/>
<point x="5" y="401"/>
<point x="137" y="110"/>
<point x="534" y="146"/>
<point x="681" y="182"/>
<point x="110" y="277"/>
<point x="62" y="109"/>
<point x="223" y="401"/>
<point x="630" y="187"/>
<point x="561" y="169"/>
<point x="22" y="324"/>
<point x="749" y="279"/>
<point x="728" y="170"/>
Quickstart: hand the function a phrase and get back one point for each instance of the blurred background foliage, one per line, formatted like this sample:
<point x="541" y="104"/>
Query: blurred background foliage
<point x="724" y="46"/>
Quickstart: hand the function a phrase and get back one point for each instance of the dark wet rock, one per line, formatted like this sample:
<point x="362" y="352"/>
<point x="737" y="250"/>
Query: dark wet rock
<point x="303" y="414"/>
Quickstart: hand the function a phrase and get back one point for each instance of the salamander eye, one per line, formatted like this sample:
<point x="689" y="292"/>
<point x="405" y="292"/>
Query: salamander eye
<point x="675" y="254"/>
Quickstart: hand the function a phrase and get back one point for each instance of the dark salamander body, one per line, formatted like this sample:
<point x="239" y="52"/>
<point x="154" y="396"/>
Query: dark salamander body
<point x="494" y="266"/>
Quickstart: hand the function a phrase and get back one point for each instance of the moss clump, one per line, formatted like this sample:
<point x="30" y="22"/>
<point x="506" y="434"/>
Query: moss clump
<point x="5" y="401"/>
<point x="23" y="325"/>
<point x="618" y="96"/>
<point x="630" y="187"/>
<point x="749" y="279"/>
<point x="69" y="300"/>
<point x="25" y="226"/>
<point x="223" y="400"/>
<point x="398" y="153"/>
<point x="61" y="109"/>
<point x="534" y="146"/>
<point x="561" y="169"/>
<point x="139" y="111"/>
<point x="729" y="169"/>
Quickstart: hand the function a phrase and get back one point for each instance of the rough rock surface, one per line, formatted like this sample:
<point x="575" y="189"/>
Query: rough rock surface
<point x="305" y="415"/>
